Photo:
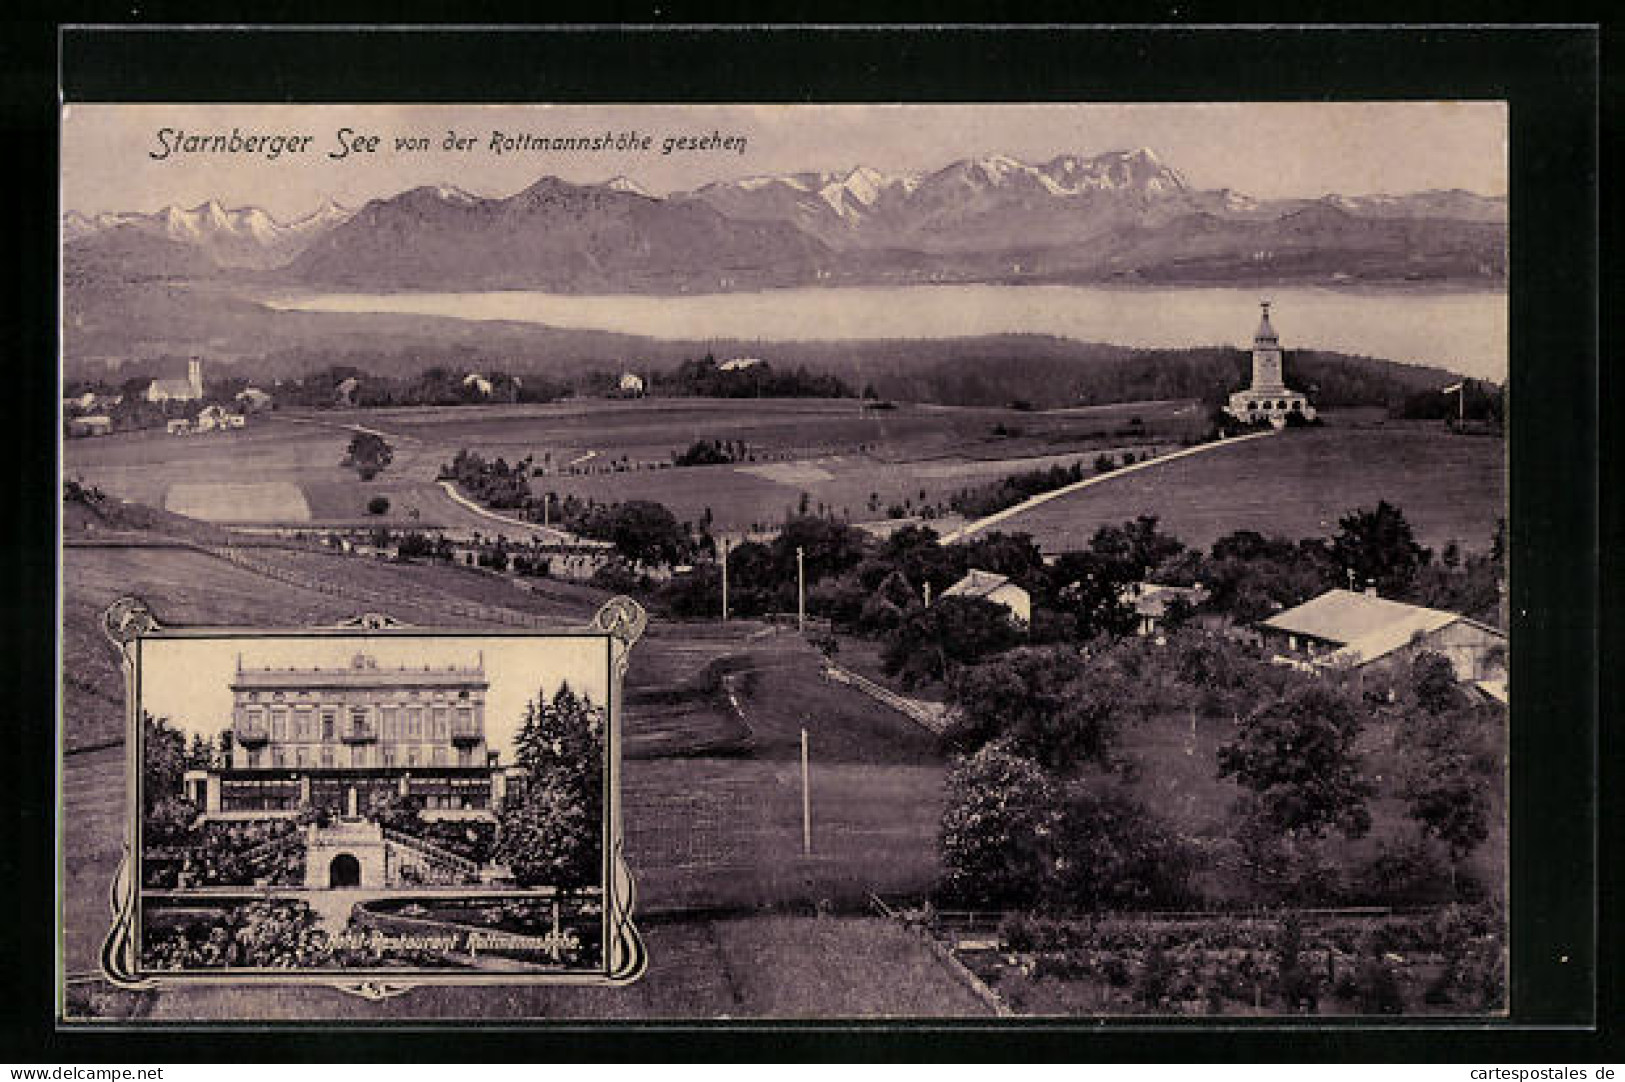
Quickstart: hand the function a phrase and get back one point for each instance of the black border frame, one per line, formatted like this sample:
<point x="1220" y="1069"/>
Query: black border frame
<point x="1551" y="77"/>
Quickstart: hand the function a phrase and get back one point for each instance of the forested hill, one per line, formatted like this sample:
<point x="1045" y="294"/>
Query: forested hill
<point x="1102" y="374"/>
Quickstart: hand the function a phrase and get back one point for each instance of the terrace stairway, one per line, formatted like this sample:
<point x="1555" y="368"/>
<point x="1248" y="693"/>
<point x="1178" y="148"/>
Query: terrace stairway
<point x="430" y="865"/>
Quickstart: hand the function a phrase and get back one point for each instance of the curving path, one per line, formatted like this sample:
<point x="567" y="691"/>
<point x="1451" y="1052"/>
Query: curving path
<point x="1054" y="494"/>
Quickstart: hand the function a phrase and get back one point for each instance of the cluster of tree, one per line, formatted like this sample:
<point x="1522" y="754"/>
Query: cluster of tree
<point x="1479" y="401"/>
<point x="494" y="483"/>
<point x="550" y="830"/>
<point x="1018" y="836"/>
<point x="435" y="386"/>
<point x="705" y="378"/>
<point x="1034" y="727"/>
<point x="1050" y="374"/>
<point x="1008" y="491"/>
<point x="762" y="575"/>
<point x="369" y="454"/>
<point x="879" y="588"/>
<point x="711" y="453"/>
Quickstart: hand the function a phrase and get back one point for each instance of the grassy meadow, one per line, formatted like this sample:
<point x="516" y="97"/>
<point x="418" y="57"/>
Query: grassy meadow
<point x="1298" y="484"/>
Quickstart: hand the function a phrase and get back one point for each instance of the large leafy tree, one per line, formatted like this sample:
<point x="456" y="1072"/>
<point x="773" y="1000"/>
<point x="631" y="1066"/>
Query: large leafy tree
<point x="1095" y="593"/>
<point x="1379" y="546"/>
<point x="1040" y="704"/>
<point x="932" y="642"/>
<point x="1250" y="576"/>
<point x="164" y="760"/>
<point x="1296" y="753"/>
<point x="1448" y="776"/>
<point x="368" y="454"/>
<point x="998" y="829"/>
<point x="646" y="532"/>
<point x="1112" y="852"/>
<point x="828" y="547"/>
<point x="1135" y="548"/>
<point x="551" y="832"/>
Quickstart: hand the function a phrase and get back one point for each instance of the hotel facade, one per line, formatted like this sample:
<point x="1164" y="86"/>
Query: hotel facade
<point x="353" y="740"/>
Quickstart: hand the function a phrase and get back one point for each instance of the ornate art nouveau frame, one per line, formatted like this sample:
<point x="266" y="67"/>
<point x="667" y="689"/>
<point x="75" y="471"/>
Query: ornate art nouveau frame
<point x="128" y="622"/>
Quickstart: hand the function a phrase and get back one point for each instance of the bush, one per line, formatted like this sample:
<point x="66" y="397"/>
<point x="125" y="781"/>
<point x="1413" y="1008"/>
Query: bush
<point x="1373" y="987"/>
<point x="1411" y="871"/>
<point x="378" y="505"/>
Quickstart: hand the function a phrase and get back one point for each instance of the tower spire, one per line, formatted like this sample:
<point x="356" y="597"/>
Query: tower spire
<point x="1265" y="333"/>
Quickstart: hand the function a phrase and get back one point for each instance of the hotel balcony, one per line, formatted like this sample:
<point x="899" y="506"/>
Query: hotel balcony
<point x="466" y="735"/>
<point x="359" y="734"/>
<point x="252" y="736"/>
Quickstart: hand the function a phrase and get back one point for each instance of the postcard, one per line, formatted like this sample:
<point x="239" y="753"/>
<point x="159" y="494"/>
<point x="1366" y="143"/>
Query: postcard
<point x="1066" y="547"/>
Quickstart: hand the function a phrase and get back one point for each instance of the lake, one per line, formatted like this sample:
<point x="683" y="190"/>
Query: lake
<point x="1464" y="331"/>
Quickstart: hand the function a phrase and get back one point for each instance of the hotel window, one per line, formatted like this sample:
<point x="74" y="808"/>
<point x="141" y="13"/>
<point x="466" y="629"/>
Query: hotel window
<point x="328" y="719"/>
<point x="439" y="756"/>
<point x="280" y="757"/>
<point x="465" y="756"/>
<point x="358" y="755"/>
<point x="411" y="756"/>
<point x="465" y="718"/>
<point x="327" y="756"/>
<point x="391" y="722"/>
<point x="254" y="757"/>
<point x="389" y="755"/>
<point x="302" y="757"/>
<point x="441" y="716"/>
<point x="414" y="722"/>
<point x="279" y="723"/>
<point x="302" y="725"/>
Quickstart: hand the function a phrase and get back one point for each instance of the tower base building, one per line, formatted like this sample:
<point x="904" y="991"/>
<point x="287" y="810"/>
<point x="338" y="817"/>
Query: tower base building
<point x="1268" y="398"/>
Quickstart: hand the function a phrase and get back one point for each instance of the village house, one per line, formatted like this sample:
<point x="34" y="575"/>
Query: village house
<point x="253" y="400"/>
<point x="998" y="589"/>
<point x="739" y="364"/>
<point x="479" y="383"/>
<point x="631" y="384"/>
<point x="1379" y="637"/>
<point x="216" y="419"/>
<point x="90" y="425"/>
<point x="1151" y="601"/>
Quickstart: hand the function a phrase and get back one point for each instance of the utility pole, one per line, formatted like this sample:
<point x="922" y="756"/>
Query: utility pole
<point x="723" y="542"/>
<point x="806" y="801"/>
<point x="801" y="591"/>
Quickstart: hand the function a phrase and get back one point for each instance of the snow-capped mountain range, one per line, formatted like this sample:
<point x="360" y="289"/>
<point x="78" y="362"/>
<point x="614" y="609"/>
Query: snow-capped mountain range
<point x="1121" y="213"/>
<point x="232" y="237"/>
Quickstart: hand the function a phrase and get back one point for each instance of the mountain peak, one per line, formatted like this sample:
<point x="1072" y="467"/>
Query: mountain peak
<point x="624" y="183"/>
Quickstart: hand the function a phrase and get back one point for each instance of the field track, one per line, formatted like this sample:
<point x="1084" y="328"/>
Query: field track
<point x="1044" y="497"/>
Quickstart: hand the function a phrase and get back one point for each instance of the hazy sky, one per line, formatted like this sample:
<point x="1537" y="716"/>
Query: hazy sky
<point x="1266" y="150"/>
<point x="185" y="680"/>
